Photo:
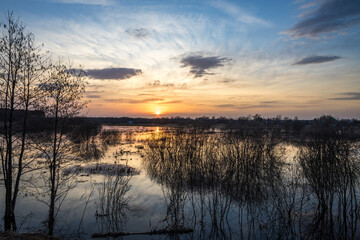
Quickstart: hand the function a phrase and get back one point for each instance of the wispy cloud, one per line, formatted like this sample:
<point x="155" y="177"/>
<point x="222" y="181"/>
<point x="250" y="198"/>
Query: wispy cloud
<point x="134" y="101"/>
<point x="264" y="104"/>
<point x="87" y="2"/>
<point x="93" y="96"/>
<point x="199" y="65"/>
<point x="239" y="14"/>
<point x="146" y="100"/>
<point x="348" y="96"/>
<point x="268" y="102"/>
<point x="226" y="106"/>
<point x="158" y="84"/>
<point x="138" y="32"/>
<point x="329" y="16"/>
<point x="308" y="5"/>
<point x="113" y="73"/>
<point x="171" y="102"/>
<point x="316" y="59"/>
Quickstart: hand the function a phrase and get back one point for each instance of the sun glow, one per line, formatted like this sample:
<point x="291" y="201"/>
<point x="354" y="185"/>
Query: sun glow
<point x="158" y="111"/>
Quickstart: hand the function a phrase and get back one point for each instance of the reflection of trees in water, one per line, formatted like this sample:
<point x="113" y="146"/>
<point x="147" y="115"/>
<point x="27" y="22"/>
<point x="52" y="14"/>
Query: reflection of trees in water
<point x="330" y="163"/>
<point x="92" y="142"/>
<point x="167" y="162"/>
<point x="211" y="179"/>
<point x="252" y="166"/>
<point x="113" y="203"/>
<point x="213" y="173"/>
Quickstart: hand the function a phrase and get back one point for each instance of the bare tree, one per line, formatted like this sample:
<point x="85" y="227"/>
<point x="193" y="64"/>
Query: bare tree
<point x="21" y="68"/>
<point x="62" y="100"/>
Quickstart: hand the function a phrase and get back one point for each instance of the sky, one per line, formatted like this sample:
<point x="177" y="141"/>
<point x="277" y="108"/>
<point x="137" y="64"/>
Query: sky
<point x="206" y="58"/>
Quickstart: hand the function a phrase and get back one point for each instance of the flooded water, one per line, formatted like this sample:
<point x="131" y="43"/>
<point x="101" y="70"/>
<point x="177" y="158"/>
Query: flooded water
<point x="190" y="185"/>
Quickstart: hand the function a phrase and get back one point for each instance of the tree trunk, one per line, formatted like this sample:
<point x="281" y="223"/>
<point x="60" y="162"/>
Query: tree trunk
<point x="51" y="220"/>
<point x="53" y="172"/>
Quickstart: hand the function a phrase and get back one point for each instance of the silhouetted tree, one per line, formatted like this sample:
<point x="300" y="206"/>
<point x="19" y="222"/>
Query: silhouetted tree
<point x="62" y="100"/>
<point x="21" y="68"/>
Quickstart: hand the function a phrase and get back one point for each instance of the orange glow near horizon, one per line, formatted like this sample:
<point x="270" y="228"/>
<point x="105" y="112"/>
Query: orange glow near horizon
<point x="158" y="111"/>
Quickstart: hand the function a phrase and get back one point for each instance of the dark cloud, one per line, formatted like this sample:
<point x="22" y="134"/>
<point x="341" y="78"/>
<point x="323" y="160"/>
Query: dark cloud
<point x="199" y="65"/>
<point x="138" y="32"/>
<point x="114" y="100"/>
<point x="225" y="81"/>
<point x="171" y="102"/>
<point x="93" y="96"/>
<point x="256" y="106"/>
<point x="146" y="100"/>
<point x="329" y="16"/>
<point x="268" y="102"/>
<point x="113" y="73"/>
<point x="226" y="106"/>
<point x="348" y="96"/>
<point x="316" y="59"/>
<point x="94" y="92"/>
<point x="247" y="106"/>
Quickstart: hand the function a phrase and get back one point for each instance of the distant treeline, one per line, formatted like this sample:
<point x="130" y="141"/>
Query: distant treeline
<point x="284" y="126"/>
<point x="256" y="122"/>
<point x="206" y="121"/>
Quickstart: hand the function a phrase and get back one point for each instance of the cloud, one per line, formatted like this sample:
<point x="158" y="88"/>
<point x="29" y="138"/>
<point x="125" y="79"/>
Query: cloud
<point x="113" y="73"/>
<point x="146" y="100"/>
<point x="87" y="2"/>
<point x="93" y="91"/>
<point x="158" y="84"/>
<point x="330" y="16"/>
<point x="227" y="80"/>
<point x="199" y="65"/>
<point x="256" y="106"/>
<point x="138" y="32"/>
<point x="226" y="106"/>
<point x="93" y="96"/>
<point x="316" y="59"/>
<point x="308" y="5"/>
<point x="238" y="13"/>
<point x="171" y="102"/>
<point x="268" y="102"/>
<point x="349" y="96"/>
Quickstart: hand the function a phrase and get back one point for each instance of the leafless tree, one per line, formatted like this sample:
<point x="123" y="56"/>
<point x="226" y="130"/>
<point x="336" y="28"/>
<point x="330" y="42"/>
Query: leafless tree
<point x="62" y="100"/>
<point x="21" y="69"/>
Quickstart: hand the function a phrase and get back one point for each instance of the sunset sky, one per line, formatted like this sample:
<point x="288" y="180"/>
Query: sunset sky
<point x="206" y="58"/>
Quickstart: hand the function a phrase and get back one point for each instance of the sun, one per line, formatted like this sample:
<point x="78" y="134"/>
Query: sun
<point x="158" y="111"/>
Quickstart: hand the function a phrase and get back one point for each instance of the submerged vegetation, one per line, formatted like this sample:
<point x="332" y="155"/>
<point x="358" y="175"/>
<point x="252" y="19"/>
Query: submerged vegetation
<point x="217" y="176"/>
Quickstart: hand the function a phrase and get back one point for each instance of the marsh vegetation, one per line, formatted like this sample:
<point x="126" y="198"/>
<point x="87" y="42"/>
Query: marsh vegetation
<point x="192" y="183"/>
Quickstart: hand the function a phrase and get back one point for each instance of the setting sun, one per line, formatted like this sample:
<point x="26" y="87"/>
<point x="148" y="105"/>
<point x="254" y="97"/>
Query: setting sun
<point x="158" y="111"/>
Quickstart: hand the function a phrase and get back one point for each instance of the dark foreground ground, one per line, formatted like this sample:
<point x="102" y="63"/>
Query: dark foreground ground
<point x="27" y="236"/>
